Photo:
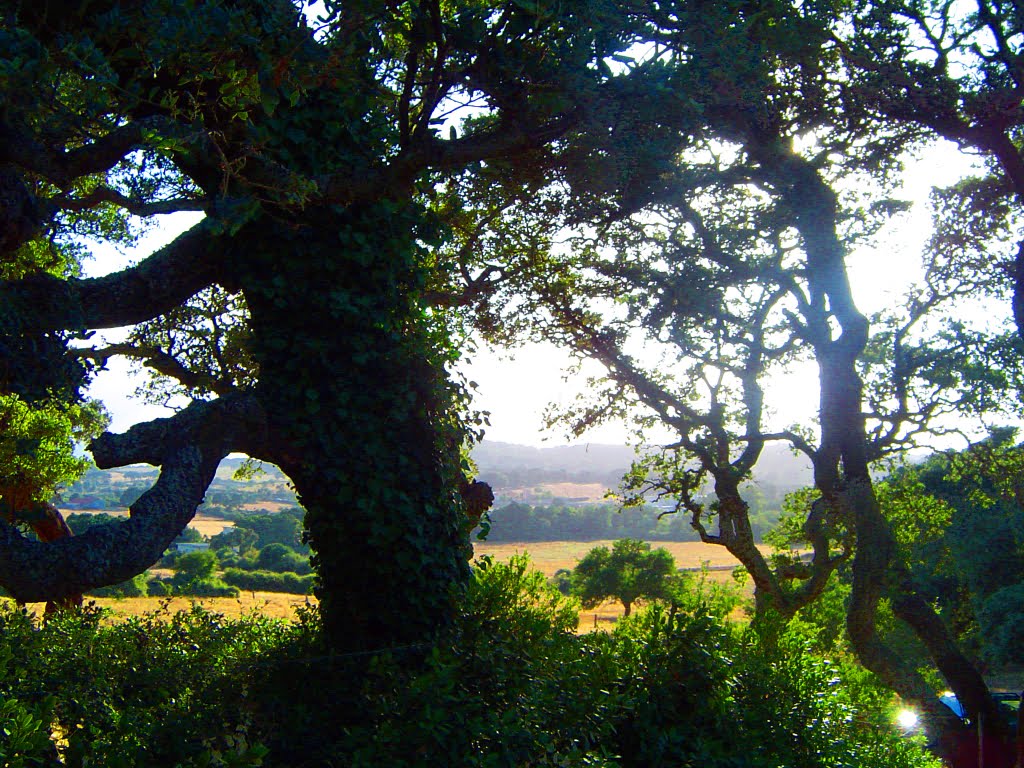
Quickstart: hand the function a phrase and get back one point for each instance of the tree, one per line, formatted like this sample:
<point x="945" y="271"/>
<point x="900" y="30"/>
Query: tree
<point x="952" y="70"/>
<point x="195" y="565"/>
<point x="628" y="572"/>
<point x="283" y="527"/>
<point x="316" y="151"/>
<point x="235" y="537"/>
<point x="282" y="558"/>
<point x="723" y="242"/>
<point x="130" y="495"/>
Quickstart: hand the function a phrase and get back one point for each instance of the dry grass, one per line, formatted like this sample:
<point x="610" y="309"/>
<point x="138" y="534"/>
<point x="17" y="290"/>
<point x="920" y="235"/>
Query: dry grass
<point x="267" y="506"/>
<point x="549" y="556"/>
<point x="584" y="491"/>
<point x="272" y="604"/>
<point x="209" y="526"/>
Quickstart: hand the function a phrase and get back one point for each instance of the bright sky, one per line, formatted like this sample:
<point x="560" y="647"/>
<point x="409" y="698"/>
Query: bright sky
<point x="517" y="386"/>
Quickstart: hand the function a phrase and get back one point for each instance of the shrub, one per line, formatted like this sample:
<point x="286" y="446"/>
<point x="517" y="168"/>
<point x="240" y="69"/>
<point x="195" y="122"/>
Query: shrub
<point x="269" y="581"/>
<point x="283" y="559"/>
<point x="157" y="690"/>
<point x="508" y="684"/>
<point x="25" y="734"/>
<point x="137" y="586"/>
<point x="205" y="588"/>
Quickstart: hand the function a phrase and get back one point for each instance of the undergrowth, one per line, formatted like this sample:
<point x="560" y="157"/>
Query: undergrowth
<point x="510" y="684"/>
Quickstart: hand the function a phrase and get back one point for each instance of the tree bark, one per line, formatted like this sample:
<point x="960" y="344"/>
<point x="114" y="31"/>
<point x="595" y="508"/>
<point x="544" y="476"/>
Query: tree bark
<point x="841" y="465"/>
<point x="358" y="413"/>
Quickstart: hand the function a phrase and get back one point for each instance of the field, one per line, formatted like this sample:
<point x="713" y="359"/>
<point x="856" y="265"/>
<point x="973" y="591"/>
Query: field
<point x="273" y="604"/>
<point x="550" y="556"/>
<point x="546" y="556"/>
<point x="208" y="526"/>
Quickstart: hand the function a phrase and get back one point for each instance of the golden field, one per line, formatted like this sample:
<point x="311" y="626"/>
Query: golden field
<point x="272" y="604"/>
<point x="208" y="526"/>
<point x="549" y="556"/>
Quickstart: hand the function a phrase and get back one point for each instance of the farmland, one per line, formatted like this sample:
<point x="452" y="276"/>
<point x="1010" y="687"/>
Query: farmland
<point x="550" y="556"/>
<point x="547" y="557"/>
<point x="271" y="604"/>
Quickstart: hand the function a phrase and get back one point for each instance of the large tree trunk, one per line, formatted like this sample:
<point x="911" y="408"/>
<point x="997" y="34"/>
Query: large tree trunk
<point x="841" y="466"/>
<point x="363" y="417"/>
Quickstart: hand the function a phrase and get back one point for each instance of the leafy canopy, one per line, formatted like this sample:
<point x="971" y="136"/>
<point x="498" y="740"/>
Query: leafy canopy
<point x="628" y="572"/>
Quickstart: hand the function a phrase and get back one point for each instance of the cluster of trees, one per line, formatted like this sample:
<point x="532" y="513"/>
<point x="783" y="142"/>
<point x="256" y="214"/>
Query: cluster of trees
<point x="517" y="521"/>
<point x="680" y="176"/>
<point x="260" y="552"/>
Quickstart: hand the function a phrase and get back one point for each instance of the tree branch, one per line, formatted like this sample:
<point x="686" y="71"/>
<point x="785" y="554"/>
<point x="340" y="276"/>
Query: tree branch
<point x="158" y="284"/>
<point x="506" y="139"/>
<point x="161" y="362"/>
<point x="60" y="169"/>
<point x="143" y="208"/>
<point x="188" y="446"/>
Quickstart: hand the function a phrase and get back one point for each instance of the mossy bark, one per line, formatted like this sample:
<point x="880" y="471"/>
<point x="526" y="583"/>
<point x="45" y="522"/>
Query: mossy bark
<point x="357" y="408"/>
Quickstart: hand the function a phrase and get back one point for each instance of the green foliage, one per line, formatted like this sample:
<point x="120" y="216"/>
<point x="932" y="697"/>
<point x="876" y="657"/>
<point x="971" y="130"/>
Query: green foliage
<point x="210" y="587"/>
<point x="194" y="576"/>
<point x="628" y="572"/>
<point x="137" y="586"/>
<point x="155" y="690"/>
<point x="514" y="686"/>
<point x="236" y="538"/>
<point x="189" y="536"/>
<point x="37" y="444"/>
<point x="131" y="494"/>
<point x="522" y="522"/>
<point x="195" y="565"/>
<point x="25" y="734"/>
<point x="510" y="684"/>
<point x="270" y="581"/>
<point x="698" y="594"/>
<point x="81" y="522"/>
<point x="282" y="558"/>
<point x="284" y="527"/>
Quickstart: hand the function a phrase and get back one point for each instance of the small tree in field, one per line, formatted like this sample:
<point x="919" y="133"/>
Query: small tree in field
<point x="629" y="571"/>
<point x="193" y="566"/>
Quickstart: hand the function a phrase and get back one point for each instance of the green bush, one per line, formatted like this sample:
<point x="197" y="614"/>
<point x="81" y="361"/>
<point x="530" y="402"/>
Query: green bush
<point x="512" y="685"/>
<point x="269" y="581"/>
<point x="158" y="690"/>
<point x="205" y="588"/>
<point x="137" y="586"/>
<point x="508" y="684"/>
<point x="282" y="559"/>
<point x="25" y="734"/>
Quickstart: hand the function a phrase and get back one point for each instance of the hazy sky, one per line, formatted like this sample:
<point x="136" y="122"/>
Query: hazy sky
<point x="516" y="386"/>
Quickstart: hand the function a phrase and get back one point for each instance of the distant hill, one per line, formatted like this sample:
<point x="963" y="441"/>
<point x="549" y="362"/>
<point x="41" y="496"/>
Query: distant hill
<point x="507" y="465"/>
